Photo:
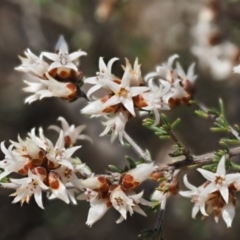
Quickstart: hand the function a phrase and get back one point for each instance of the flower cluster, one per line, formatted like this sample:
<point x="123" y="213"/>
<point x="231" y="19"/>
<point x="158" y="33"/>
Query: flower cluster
<point x="216" y="195"/>
<point x="57" y="76"/>
<point x="124" y="96"/>
<point x="116" y="190"/>
<point x="215" y="54"/>
<point x="45" y="166"/>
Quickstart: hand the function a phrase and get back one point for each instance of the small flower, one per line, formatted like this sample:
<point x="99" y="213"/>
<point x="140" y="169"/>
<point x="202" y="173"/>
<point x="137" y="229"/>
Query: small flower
<point x="71" y="133"/>
<point x="105" y="73"/>
<point x="126" y="203"/>
<point x="135" y="73"/>
<point x="123" y="92"/>
<point x="33" y="64"/>
<point x="59" y="154"/>
<point x="63" y="59"/>
<point x="11" y="163"/>
<point x="219" y="181"/>
<point x="50" y="88"/>
<point x="99" y="205"/>
<point x="57" y="187"/>
<point x="116" y="124"/>
<point x="96" y="183"/>
<point x="136" y="176"/>
<point x="31" y="185"/>
<point x="196" y="197"/>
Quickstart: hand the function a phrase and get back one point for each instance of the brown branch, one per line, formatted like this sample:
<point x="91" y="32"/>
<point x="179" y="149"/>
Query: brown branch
<point x="196" y="160"/>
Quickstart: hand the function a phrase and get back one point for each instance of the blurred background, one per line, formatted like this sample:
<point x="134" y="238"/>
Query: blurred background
<point x="206" y="32"/>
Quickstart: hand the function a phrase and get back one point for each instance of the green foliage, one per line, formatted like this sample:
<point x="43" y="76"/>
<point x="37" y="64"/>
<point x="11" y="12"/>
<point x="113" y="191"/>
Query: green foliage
<point x="131" y="164"/>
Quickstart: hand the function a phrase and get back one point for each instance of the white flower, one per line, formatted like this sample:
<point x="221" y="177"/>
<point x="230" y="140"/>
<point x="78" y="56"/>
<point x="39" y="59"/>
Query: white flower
<point x="31" y="185"/>
<point x="57" y="187"/>
<point x="71" y="133"/>
<point x="96" y="183"/>
<point x="50" y="88"/>
<point x="126" y="203"/>
<point x="165" y="71"/>
<point x="59" y="154"/>
<point x="116" y="124"/>
<point x="190" y="76"/>
<point x="219" y="181"/>
<point x="142" y="172"/>
<point x="228" y="213"/>
<point x="123" y="92"/>
<point x="63" y="59"/>
<point x="105" y="73"/>
<point x="196" y="196"/>
<point x="135" y="73"/>
<point x="94" y="108"/>
<point x="155" y="99"/>
<point x="11" y="163"/>
<point x="32" y="64"/>
<point x="99" y="206"/>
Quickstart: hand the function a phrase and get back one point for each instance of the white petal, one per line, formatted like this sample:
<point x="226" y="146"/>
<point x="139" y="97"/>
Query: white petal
<point x="75" y="55"/>
<point x="225" y="193"/>
<point x="221" y="169"/>
<point x="53" y="56"/>
<point x="137" y="90"/>
<point x="228" y="213"/>
<point x="207" y="174"/>
<point x="128" y="104"/>
<point x="187" y="184"/>
<point x="97" y="210"/>
<point x="38" y="197"/>
<point x="195" y="210"/>
<point x="110" y="63"/>
<point x="111" y="101"/>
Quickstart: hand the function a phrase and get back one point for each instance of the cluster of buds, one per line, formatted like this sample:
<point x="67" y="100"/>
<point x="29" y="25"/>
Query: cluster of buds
<point x="53" y="74"/>
<point x="45" y="166"/>
<point x="216" y="194"/>
<point x="215" y="54"/>
<point x="116" y="190"/>
<point x="124" y="96"/>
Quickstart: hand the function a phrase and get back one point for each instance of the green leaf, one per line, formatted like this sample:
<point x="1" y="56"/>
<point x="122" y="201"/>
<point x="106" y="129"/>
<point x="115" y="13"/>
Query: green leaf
<point x="222" y="109"/>
<point x="210" y="167"/>
<point x="201" y="114"/>
<point x="234" y="166"/>
<point x="115" y="169"/>
<point x="175" y="123"/>
<point x="132" y="163"/>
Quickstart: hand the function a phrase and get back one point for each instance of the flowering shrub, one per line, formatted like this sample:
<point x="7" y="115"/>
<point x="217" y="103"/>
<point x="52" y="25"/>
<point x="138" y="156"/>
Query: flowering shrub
<point x="43" y="166"/>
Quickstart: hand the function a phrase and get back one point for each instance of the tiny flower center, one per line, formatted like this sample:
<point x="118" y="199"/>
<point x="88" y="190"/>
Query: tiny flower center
<point x="63" y="59"/>
<point x="119" y="201"/>
<point x="123" y="93"/>
<point x="219" y="180"/>
<point x="67" y="172"/>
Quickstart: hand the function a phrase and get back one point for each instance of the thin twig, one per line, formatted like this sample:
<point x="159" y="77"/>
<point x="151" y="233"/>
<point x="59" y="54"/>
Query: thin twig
<point x="185" y="151"/>
<point x="196" y="160"/>
<point x="159" y="224"/>
<point x="141" y="152"/>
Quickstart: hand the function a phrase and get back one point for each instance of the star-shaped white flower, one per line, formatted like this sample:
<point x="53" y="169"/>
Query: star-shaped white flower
<point x="71" y="132"/>
<point x="63" y="59"/>
<point x="219" y="181"/>
<point x="123" y="92"/>
<point x="59" y="155"/>
<point x="197" y="197"/>
<point x="31" y="185"/>
<point x="116" y="124"/>
<point x="105" y="73"/>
